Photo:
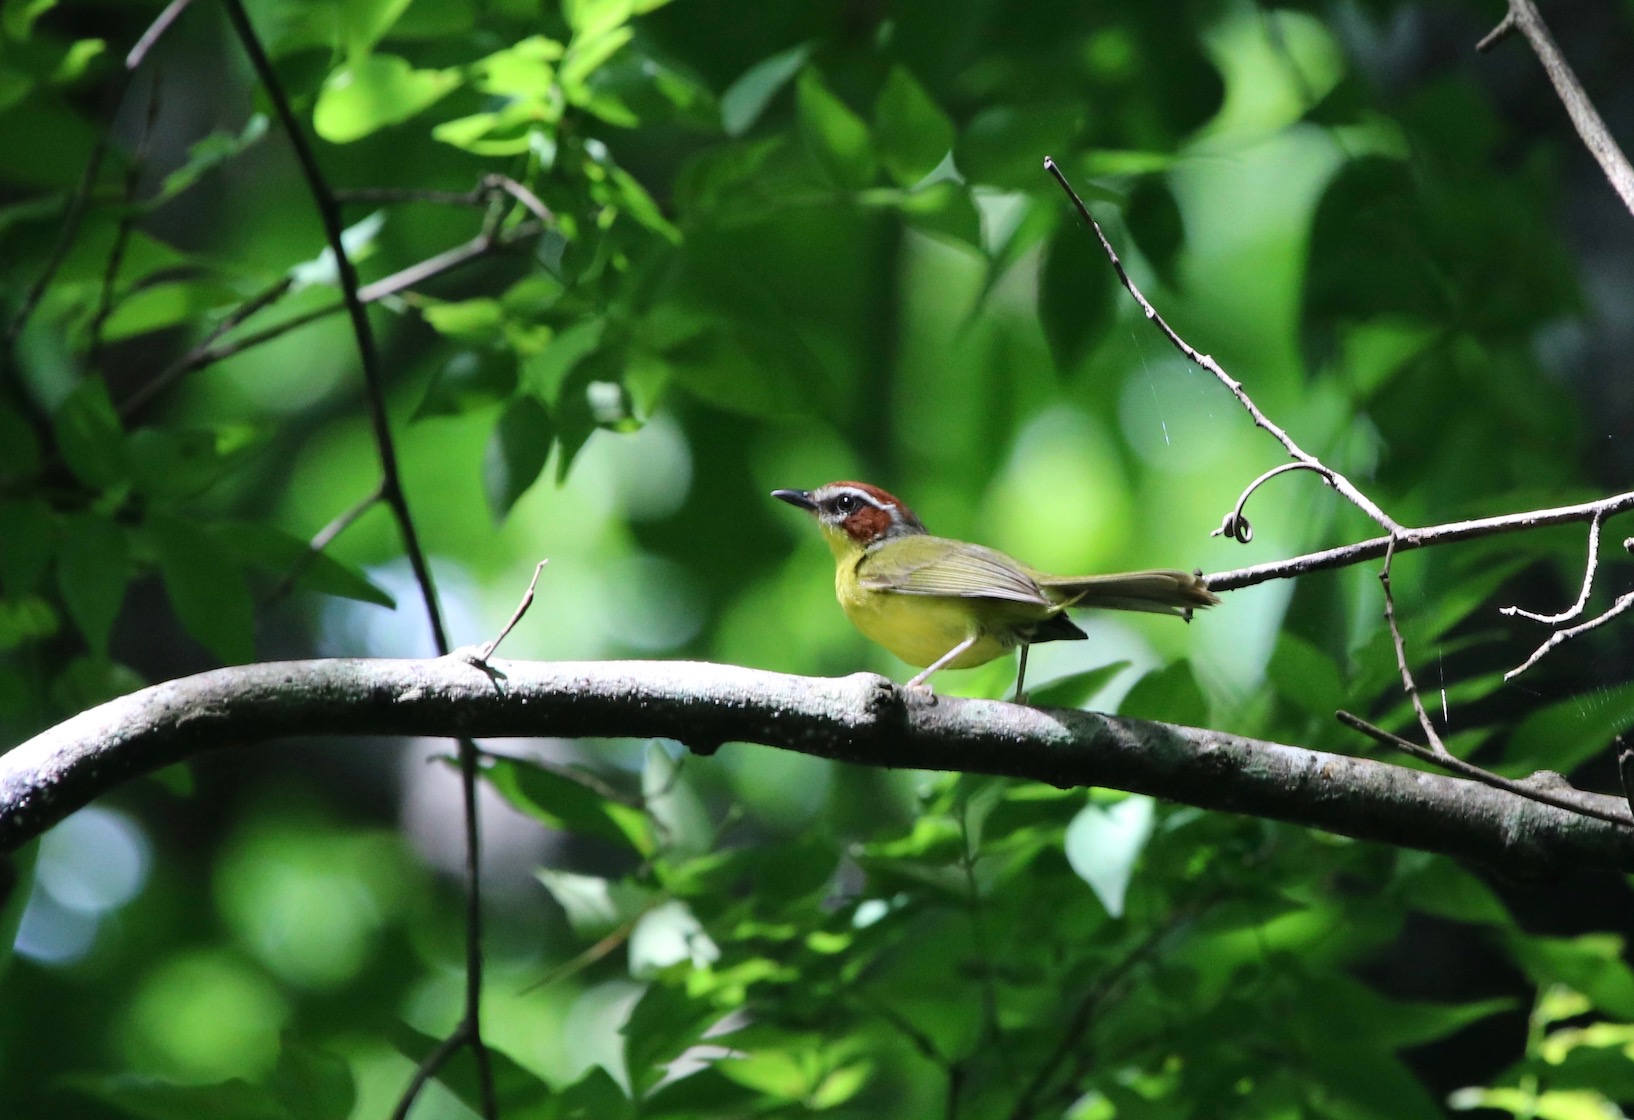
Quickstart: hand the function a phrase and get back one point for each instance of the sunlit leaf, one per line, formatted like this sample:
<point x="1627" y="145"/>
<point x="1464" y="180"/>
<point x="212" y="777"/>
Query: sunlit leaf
<point x="912" y="132"/>
<point x="1103" y="844"/>
<point x="835" y="135"/>
<point x="746" y="99"/>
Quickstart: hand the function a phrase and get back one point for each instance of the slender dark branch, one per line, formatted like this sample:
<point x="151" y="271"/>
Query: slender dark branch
<point x="1408" y="685"/>
<point x="1545" y="787"/>
<point x="71" y="218"/>
<point x="397" y="500"/>
<point x="155" y="32"/>
<point x="325" y="536"/>
<point x="1338" y="481"/>
<point x="1589" y="569"/>
<point x="1349" y="554"/>
<point x="1236" y="526"/>
<point x="1625" y="772"/>
<point x="373" y="379"/>
<point x="427" y="1069"/>
<point x="1523" y="16"/>
<point x="1083" y="1016"/>
<point x="127" y="222"/>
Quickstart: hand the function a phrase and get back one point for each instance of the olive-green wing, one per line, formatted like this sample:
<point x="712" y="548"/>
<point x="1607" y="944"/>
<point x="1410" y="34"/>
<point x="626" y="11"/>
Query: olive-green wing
<point x="925" y="565"/>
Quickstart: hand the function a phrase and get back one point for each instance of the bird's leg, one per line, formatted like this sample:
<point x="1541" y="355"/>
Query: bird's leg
<point x="924" y="674"/>
<point x="1021" y="675"/>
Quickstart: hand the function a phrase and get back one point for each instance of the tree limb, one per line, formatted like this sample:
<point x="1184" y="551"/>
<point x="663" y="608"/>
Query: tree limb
<point x="861" y="719"/>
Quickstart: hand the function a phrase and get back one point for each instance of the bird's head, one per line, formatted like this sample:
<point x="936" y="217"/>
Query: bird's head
<point x="854" y="515"/>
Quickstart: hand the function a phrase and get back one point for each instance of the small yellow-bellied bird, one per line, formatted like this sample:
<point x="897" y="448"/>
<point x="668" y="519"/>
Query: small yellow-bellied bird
<point x="946" y="604"/>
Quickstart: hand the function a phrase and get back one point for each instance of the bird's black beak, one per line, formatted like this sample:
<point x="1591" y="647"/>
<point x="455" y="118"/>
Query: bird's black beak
<point x="801" y="498"/>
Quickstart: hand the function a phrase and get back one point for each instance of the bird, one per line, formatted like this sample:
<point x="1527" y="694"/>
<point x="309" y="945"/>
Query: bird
<point x="947" y="604"/>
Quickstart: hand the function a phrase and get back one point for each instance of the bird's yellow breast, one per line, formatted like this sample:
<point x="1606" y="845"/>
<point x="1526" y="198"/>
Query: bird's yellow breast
<point x="922" y="628"/>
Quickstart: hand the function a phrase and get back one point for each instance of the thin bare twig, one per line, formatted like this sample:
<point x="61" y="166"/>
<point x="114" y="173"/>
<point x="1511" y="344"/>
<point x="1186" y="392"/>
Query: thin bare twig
<point x="428" y="1067"/>
<point x="73" y="214"/>
<point x="1236" y="526"/>
<point x="1346" y="555"/>
<point x="470" y="1029"/>
<point x="1523" y="16"/>
<point x="1407" y="683"/>
<point x="1338" y="481"/>
<point x="1576" y="608"/>
<point x="1619" y="607"/>
<point x="155" y="31"/>
<point x="516" y="615"/>
<point x="205" y="352"/>
<point x="1557" y="796"/>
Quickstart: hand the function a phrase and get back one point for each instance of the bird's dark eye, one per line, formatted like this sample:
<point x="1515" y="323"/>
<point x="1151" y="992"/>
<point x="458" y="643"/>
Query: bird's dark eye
<point x="845" y="503"/>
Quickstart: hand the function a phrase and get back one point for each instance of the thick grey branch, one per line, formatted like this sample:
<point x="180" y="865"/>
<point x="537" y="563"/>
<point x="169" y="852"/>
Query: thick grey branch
<point x="861" y="719"/>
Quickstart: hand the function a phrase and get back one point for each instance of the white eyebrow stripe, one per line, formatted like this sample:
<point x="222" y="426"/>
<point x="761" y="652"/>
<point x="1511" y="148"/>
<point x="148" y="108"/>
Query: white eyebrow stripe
<point x="855" y="493"/>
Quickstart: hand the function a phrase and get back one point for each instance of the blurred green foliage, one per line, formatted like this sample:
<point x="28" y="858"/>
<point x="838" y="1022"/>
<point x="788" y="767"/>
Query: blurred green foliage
<point x="784" y="244"/>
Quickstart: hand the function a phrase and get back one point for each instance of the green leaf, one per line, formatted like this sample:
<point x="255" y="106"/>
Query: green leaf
<point x="92" y="571"/>
<point x="1154" y="221"/>
<point x="205" y="584"/>
<point x="24" y="620"/>
<point x="270" y="549"/>
<point x="663" y="1024"/>
<point x="89" y="681"/>
<point x="524" y="69"/>
<point x="90" y="436"/>
<point x="834" y="134"/>
<point x="168" y="464"/>
<point x="943" y="209"/>
<point x="1005" y="146"/>
<point x="16" y="887"/>
<point x="158" y="1100"/>
<point x="571" y="805"/>
<point x="19" y="446"/>
<point x="470" y="379"/>
<point x="516" y="453"/>
<point x="211" y="152"/>
<point x="1075" y="295"/>
<point x="25" y="544"/>
<point x="1591" y="964"/>
<point x="1306" y="677"/>
<point x="158" y="306"/>
<point x="312" y="1084"/>
<point x="746" y="98"/>
<point x="1441" y="887"/>
<point x="376" y="91"/>
<point x="1169" y="695"/>
<point x="19" y="16"/>
<point x="1102" y="844"/>
<point x="911" y="131"/>
<point x="1564" y="735"/>
<point x="594" y="906"/>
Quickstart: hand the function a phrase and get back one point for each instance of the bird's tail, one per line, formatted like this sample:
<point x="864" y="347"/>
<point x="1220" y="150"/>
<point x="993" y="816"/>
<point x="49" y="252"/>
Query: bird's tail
<point x="1161" y="591"/>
